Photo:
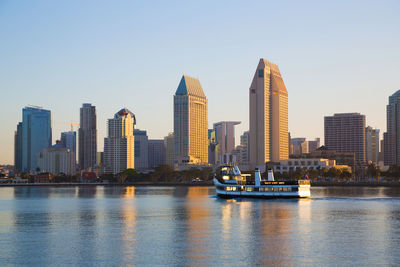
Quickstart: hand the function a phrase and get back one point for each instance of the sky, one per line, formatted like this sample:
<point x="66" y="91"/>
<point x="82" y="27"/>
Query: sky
<point x="334" y="57"/>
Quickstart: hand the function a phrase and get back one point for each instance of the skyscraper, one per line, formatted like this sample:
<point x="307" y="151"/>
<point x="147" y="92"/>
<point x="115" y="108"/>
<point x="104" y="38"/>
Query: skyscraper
<point x="392" y="135"/>
<point x="269" y="139"/>
<point x="190" y="122"/>
<point x="18" y="148"/>
<point x="119" y="145"/>
<point x="87" y="136"/>
<point x="141" y="149"/>
<point x="169" y="149"/>
<point x="68" y="140"/>
<point x="225" y="137"/>
<point x="36" y="135"/>
<point x="156" y="153"/>
<point x="371" y="144"/>
<point x="345" y="132"/>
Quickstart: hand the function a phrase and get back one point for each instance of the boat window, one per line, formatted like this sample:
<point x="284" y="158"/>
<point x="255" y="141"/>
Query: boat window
<point x="249" y="189"/>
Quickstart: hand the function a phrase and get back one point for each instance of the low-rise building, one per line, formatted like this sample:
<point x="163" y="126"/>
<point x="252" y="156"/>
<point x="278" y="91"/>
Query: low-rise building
<point x="288" y="165"/>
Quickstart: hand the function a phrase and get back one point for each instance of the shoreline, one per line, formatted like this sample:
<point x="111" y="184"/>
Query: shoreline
<point x="203" y="184"/>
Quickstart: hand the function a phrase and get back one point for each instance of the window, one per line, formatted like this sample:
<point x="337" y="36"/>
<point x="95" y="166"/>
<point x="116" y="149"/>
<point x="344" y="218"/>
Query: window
<point x="260" y="73"/>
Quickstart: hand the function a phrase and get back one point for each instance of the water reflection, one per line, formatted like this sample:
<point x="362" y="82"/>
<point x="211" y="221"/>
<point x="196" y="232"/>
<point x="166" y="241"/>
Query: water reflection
<point x="180" y="226"/>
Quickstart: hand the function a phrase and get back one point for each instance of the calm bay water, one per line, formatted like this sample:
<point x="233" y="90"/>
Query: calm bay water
<point x="189" y="226"/>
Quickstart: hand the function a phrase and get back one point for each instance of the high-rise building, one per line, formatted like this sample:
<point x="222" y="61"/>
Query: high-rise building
<point x="190" y="122"/>
<point x="392" y="135"/>
<point x="213" y="147"/>
<point x="242" y="151"/>
<point x="169" y="149"/>
<point x="87" y="137"/>
<point x="56" y="160"/>
<point x="300" y="146"/>
<point x="18" y="148"/>
<point x="68" y="140"/>
<point x="345" y="132"/>
<point x="371" y="144"/>
<point x="156" y="153"/>
<point x="268" y="116"/>
<point x="314" y="145"/>
<point x="36" y="135"/>
<point x="119" y="145"/>
<point x="225" y="137"/>
<point x="141" y="149"/>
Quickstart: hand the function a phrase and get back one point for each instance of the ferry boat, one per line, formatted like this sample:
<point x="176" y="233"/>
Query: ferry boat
<point x="231" y="183"/>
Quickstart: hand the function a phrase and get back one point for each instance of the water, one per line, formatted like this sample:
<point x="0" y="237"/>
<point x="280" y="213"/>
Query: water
<point x="189" y="226"/>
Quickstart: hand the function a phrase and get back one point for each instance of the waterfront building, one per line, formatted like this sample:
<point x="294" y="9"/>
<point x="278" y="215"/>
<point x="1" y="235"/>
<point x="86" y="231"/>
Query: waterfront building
<point x="169" y="149"/>
<point x="190" y="122"/>
<point x="269" y="139"/>
<point x="36" y="135"/>
<point x="156" y="153"/>
<point x="57" y="160"/>
<point x="301" y="146"/>
<point x="372" y="145"/>
<point x="100" y="158"/>
<point x="18" y="148"/>
<point x="119" y="145"/>
<point x="297" y="146"/>
<point x="308" y="164"/>
<point x="213" y="147"/>
<point x="345" y="132"/>
<point x="341" y="158"/>
<point x="141" y="149"/>
<point x="87" y="137"/>
<point x="392" y="135"/>
<point x="241" y="152"/>
<point x="225" y="138"/>
<point x="68" y="140"/>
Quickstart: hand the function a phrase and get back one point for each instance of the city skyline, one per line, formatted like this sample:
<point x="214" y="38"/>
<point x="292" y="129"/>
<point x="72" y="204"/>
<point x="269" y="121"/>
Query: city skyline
<point x="326" y="67"/>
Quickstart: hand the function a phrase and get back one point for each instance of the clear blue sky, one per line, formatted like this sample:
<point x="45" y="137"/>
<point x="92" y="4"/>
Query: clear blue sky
<point x="335" y="56"/>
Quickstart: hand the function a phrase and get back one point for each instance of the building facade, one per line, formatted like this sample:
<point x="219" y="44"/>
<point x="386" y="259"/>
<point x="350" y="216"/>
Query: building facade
<point x="169" y="149"/>
<point x="269" y="139"/>
<point x="119" y="145"/>
<point x="345" y="132"/>
<point x="141" y="149"/>
<point x="36" y="135"/>
<point x="18" y="148"/>
<point x="225" y="139"/>
<point x="190" y="122"/>
<point x="299" y="146"/>
<point x="308" y="164"/>
<point x="87" y="137"/>
<point x="56" y="160"/>
<point x="156" y="153"/>
<point x="392" y="135"/>
<point x="372" y="145"/>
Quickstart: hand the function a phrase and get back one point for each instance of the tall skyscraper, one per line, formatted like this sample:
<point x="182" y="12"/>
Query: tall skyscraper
<point x="156" y="153"/>
<point x="371" y="144"/>
<point x="269" y="139"/>
<point x="87" y="137"/>
<point x="392" y="135"/>
<point x="345" y="132"/>
<point x="169" y="149"/>
<point x="36" y="135"/>
<point x="141" y="149"/>
<point x="190" y="122"/>
<point x="119" y="145"/>
<point x="18" y="148"/>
